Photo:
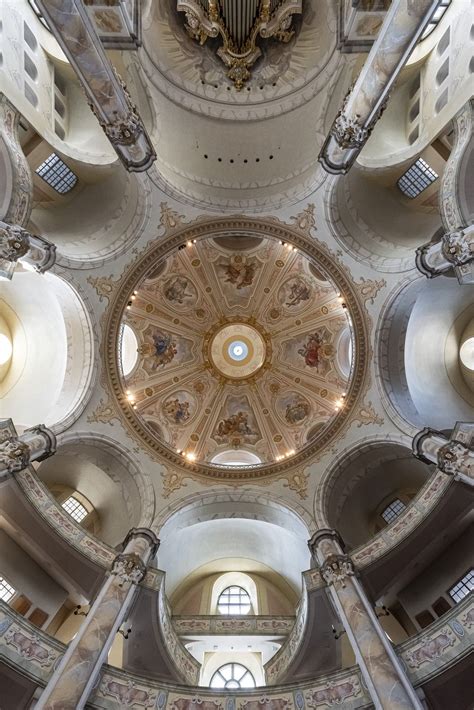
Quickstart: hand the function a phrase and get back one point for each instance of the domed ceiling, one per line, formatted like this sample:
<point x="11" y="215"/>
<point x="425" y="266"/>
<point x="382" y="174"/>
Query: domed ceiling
<point x="235" y="350"/>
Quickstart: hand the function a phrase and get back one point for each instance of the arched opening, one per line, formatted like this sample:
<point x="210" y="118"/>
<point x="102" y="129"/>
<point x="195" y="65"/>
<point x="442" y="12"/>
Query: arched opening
<point x="238" y="558"/>
<point x="420" y="338"/>
<point x="49" y="373"/>
<point x="370" y="487"/>
<point x="96" y="477"/>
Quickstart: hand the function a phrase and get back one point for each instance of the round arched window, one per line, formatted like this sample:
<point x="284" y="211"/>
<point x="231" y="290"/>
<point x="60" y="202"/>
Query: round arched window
<point x="234" y="600"/>
<point x="232" y="676"/>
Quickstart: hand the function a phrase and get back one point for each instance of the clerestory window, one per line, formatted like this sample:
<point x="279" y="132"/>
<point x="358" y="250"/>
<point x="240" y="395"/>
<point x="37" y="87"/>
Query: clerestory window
<point x="417" y="178"/>
<point x="75" y="509"/>
<point x="234" y="600"/>
<point x="437" y="15"/>
<point x="56" y="173"/>
<point x="462" y="588"/>
<point x="393" y="510"/>
<point x="232" y="676"/>
<point x="7" y="592"/>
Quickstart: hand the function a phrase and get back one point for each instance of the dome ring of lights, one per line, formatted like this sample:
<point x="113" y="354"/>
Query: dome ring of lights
<point x="175" y="430"/>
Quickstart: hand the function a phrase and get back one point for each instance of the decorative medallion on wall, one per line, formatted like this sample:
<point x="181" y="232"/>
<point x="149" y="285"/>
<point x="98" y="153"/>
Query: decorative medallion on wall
<point x="249" y="347"/>
<point x="239" y="23"/>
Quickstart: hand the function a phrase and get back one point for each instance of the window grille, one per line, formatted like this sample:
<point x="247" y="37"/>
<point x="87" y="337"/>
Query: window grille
<point x="462" y="588"/>
<point x="393" y="510"/>
<point x="7" y="592"/>
<point x="437" y="15"/>
<point x="417" y="178"/>
<point x="232" y="676"/>
<point x="56" y="173"/>
<point x="75" y="509"/>
<point x="234" y="600"/>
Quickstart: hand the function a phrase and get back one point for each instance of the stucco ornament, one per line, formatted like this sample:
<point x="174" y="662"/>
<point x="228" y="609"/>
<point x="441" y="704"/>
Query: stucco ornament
<point x="336" y="569"/>
<point x="129" y="568"/>
<point x="347" y="130"/>
<point x="14" y="455"/>
<point x="454" y="458"/>
<point x="14" y="242"/>
<point x="458" y="247"/>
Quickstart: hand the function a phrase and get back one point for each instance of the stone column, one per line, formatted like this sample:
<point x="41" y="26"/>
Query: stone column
<point x="455" y="250"/>
<point x="73" y="680"/>
<point x="400" y="32"/>
<point x="381" y="668"/>
<point x="17" y="452"/>
<point x="108" y="97"/>
<point x="17" y="244"/>
<point x="452" y="456"/>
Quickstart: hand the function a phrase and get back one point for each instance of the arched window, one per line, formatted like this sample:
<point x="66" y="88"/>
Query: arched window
<point x="7" y="592"/>
<point x="393" y="510"/>
<point x="234" y="600"/>
<point x="232" y="676"/>
<point x="75" y="508"/>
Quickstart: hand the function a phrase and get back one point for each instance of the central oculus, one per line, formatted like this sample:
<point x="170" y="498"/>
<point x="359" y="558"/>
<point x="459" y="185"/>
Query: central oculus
<point x="237" y="351"/>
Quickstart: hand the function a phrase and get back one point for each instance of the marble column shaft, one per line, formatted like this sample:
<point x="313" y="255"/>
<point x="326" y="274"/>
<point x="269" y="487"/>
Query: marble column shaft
<point x="73" y="680"/>
<point x="451" y="456"/>
<point x="401" y="30"/>
<point x="17" y="452"/>
<point x="383" y="673"/>
<point x="108" y="97"/>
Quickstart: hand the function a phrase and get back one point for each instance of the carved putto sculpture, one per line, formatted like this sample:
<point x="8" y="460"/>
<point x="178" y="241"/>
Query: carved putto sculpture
<point x="14" y="456"/>
<point x="129" y="568"/>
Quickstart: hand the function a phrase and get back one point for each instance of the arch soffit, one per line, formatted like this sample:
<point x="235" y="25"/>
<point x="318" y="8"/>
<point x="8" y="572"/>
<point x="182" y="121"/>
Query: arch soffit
<point x="110" y="447"/>
<point x="197" y="508"/>
<point x="336" y="470"/>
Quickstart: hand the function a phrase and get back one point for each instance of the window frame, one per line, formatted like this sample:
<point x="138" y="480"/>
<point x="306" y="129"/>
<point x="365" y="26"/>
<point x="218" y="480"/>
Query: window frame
<point x="469" y="577"/>
<point x="78" y="506"/>
<point x="391" y="508"/>
<point x="434" y="22"/>
<point x="5" y="584"/>
<point x="241" y="593"/>
<point x="232" y="664"/>
<point x="416" y="179"/>
<point x="57" y="174"/>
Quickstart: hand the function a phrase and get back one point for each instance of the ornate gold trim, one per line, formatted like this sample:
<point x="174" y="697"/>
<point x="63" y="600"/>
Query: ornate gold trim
<point x="271" y="228"/>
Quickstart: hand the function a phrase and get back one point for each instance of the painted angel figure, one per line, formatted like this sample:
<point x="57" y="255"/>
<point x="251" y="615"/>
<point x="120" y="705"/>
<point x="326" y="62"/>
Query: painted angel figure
<point x="311" y="350"/>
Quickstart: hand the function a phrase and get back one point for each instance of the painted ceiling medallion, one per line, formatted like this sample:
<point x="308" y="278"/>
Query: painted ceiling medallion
<point x="242" y="343"/>
<point x="239" y="23"/>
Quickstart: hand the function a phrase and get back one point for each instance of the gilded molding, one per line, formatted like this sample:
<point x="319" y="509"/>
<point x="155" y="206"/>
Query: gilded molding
<point x="177" y="234"/>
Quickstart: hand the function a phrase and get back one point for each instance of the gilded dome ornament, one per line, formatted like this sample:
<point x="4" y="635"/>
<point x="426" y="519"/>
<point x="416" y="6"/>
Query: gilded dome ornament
<point x="239" y="23"/>
<point x="238" y="378"/>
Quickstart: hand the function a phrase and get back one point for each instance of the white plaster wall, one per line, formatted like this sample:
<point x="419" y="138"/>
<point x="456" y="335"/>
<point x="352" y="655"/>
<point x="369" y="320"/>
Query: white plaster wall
<point x="29" y="578"/>
<point x="241" y="541"/>
<point x="432" y="354"/>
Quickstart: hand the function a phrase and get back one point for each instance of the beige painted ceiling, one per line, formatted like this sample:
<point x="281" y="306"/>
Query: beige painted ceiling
<point x="191" y="309"/>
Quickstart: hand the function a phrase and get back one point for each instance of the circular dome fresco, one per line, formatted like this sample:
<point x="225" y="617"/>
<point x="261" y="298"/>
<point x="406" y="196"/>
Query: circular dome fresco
<point x="243" y="344"/>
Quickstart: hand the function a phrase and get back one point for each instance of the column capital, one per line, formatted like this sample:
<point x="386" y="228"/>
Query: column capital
<point x="458" y="246"/>
<point x="14" y="455"/>
<point x="14" y="242"/>
<point x="336" y="570"/>
<point x="129" y="568"/>
<point x="324" y="534"/>
<point x="418" y="440"/>
<point x="146" y="533"/>
<point x="454" y="457"/>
